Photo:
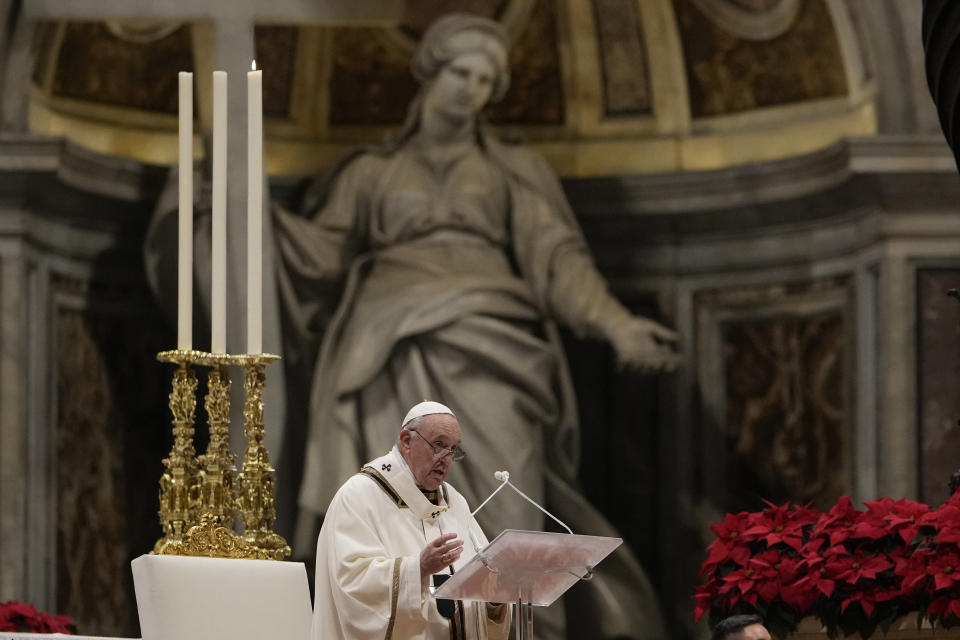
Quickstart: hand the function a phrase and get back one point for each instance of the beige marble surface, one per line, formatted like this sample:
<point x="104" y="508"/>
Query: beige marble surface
<point x="904" y="629"/>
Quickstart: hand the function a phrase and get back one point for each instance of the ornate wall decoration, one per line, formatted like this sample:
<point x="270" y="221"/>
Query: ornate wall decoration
<point x="752" y="19"/>
<point x="94" y="65"/>
<point x="110" y="397"/>
<point x="727" y="73"/>
<point x="92" y="525"/>
<point x="623" y="57"/>
<point x="135" y="64"/>
<point x="786" y="405"/>
<point x="536" y="94"/>
<point x="370" y="82"/>
<point x="776" y="375"/>
<point x="938" y="380"/>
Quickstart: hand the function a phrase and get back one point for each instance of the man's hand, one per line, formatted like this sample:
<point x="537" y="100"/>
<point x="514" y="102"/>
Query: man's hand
<point x="440" y="554"/>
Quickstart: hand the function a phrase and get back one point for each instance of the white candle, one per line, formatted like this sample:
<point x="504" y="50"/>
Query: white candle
<point x="254" y="210"/>
<point x="185" y="235"/>
<point x="218" y="314"/>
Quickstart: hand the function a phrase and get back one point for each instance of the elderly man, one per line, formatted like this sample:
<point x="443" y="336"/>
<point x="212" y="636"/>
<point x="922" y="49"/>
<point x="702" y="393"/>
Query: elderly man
<point x="744" y="627"/>
<point x="392" y="530"/>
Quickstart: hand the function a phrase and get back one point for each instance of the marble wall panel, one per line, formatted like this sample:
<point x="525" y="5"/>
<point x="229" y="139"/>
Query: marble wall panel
<point x="728" y="74"/>
<point x="776" y="375"/>
<point x="92" y="549"/>
<point x="536" y="95"/>
<point x="786" y="407"/>
<point x="369" y="84"/>
<point x="94" y="64"/>
<point x="938" y="372"/>
<point x="623" y="57"/>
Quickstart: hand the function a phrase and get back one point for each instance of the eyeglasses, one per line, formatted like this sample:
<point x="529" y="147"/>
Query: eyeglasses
<point x="439" y="452"/>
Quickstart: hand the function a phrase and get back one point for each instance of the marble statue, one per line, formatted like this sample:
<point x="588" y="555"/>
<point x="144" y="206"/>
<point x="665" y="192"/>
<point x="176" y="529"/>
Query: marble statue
<point x="458" y="254"/>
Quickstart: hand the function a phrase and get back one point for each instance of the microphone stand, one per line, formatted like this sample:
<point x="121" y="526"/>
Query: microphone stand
<point x="523" y="618"/>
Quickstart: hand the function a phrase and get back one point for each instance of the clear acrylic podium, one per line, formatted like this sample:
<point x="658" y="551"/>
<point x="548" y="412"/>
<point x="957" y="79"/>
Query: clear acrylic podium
<point x="529" y="568"/>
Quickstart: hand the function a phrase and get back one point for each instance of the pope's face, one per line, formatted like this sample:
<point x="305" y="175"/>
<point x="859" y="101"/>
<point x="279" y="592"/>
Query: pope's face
<point x="462" y="87"/>
<point x="755" y="632"/>
<point x="429" y="469"/>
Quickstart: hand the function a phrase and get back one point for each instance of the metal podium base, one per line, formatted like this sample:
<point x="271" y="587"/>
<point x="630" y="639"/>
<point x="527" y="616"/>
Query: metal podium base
<point x="523" y="621"/>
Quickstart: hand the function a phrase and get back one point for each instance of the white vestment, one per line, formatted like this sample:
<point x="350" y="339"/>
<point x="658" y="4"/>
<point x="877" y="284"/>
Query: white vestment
<point x="368" y="584"/>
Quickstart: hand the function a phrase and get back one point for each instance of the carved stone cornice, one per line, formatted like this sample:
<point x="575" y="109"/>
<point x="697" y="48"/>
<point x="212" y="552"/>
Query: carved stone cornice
<point x="112" y="177"/>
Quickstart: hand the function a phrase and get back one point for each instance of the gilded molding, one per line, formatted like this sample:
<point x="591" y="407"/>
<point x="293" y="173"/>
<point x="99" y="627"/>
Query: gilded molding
<point x="209" y="539"/>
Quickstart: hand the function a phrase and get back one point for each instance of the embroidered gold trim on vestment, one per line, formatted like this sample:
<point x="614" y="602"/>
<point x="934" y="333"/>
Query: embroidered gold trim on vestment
<point x="394" y="595"/>
<point x="374" y="475"/>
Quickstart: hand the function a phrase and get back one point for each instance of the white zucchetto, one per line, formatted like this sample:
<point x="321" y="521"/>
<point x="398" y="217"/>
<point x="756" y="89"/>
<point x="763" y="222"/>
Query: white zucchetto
<point x="425" y="408"/>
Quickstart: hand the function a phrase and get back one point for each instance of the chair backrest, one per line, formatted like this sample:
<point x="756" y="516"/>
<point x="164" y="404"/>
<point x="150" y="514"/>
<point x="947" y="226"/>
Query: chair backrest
<point x="187" y="598"/>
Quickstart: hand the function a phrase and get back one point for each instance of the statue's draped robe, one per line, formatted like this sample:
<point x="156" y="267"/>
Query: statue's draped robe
<point x="450" y="274"/>
<point x="368" y="584"/>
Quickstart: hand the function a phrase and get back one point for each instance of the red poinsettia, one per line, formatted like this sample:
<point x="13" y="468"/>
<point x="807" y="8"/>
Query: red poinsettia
<point x="781" y="524"/>
<point x="730" y="543"/>
<point x="16" y="616"/>
<point x="902" y="516"/>
<point x="868" y="598"/>
<point x="851" y="568"/>
<point x="945" y="607"/>
<point x="855" y="570"/>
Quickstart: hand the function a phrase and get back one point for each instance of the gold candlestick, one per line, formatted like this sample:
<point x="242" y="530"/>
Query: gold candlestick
<point x="179" y="487"/>
<point x="255" y="484"/>
<point x="218" y="495"/>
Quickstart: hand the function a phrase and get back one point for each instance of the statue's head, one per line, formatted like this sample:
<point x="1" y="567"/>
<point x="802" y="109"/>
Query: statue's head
<point x="459" y="44"/>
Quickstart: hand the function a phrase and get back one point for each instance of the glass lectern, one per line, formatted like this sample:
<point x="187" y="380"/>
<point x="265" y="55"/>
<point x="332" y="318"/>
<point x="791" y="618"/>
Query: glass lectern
<point x="529" y="568"/>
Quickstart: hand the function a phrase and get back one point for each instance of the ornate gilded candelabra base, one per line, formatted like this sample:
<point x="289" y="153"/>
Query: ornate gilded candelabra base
<point x="179" y="488"/>
<point x="255" y="483"/>
<point x="218" y="492"/>
<point x="200" y="497"/>
<point x="210" y="539"/>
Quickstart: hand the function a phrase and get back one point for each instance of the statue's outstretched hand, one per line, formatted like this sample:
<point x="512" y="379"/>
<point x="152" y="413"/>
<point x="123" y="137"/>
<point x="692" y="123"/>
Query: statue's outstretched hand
<point x="645" y="345"/>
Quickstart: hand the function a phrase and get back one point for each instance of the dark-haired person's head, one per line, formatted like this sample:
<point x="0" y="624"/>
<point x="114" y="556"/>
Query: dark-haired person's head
<point x="745" y="627"/>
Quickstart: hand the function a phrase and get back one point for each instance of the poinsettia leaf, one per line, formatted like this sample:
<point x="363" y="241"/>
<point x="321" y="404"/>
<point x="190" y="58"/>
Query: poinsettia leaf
<point x="954" y="608"/>
<point x="942" y="581"/>
<point x="826" y="587"/>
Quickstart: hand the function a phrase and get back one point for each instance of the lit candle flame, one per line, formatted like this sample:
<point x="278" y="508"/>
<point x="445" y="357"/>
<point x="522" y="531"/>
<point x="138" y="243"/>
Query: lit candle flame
<point x="253" y="65"/>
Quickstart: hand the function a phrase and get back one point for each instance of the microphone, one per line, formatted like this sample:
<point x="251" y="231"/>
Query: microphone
<point x="504" y="478"/>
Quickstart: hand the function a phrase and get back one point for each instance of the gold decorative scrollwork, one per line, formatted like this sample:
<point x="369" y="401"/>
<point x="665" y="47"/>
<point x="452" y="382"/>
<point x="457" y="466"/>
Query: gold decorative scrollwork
<point x="210" y="539"/>
<point x="218" y="464"/>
